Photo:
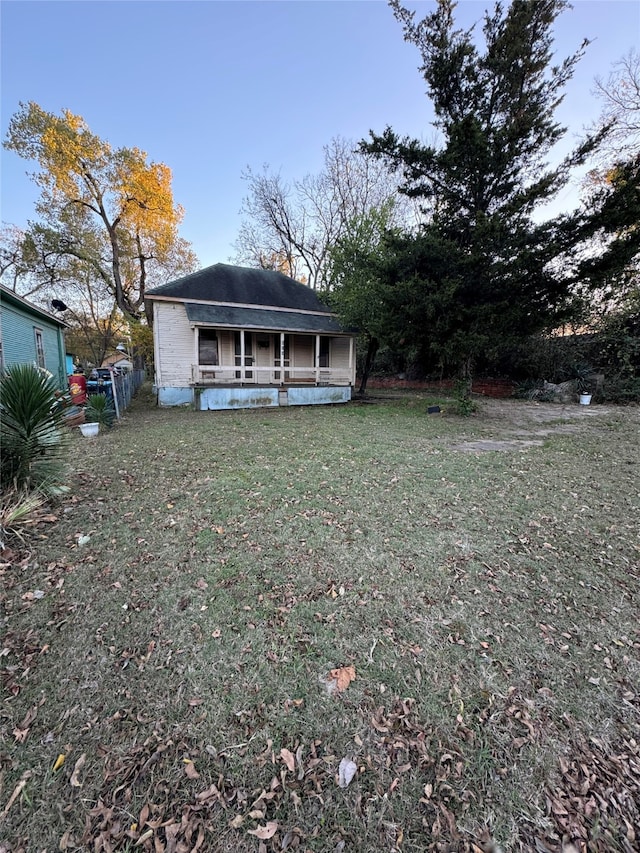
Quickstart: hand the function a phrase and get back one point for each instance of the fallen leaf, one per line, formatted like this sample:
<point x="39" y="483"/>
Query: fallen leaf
<point x="288" y="758"/>
<point x="190" y="770"/>
<point x="346" y="771"/>
<point x="16" y="793"/>
<point x="211" y="791"/>
<point x="75" y="776"/>
<point x="343" y="676"/>
<point x="59" y="762"/>
<point x="265" y="832"/>
<point x="144" y="837"/>
<point x="66" y="841"/>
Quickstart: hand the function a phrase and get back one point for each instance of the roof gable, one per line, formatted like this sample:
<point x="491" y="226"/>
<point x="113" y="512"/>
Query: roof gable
<point x="241" y="285"/>
<point x="9" y="297"/>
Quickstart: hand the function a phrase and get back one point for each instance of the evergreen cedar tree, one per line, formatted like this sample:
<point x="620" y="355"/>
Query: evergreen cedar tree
<point x="480" y="272"/>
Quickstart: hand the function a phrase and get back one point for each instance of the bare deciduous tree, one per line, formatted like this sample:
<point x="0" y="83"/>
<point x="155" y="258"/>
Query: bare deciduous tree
<point x="291" y="226"/>
<point x="620" y="96"/>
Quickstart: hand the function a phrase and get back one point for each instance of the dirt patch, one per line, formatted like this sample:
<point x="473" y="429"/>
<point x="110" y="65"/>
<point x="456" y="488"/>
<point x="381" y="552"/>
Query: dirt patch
<point x="523" y="413"/>
<point x="520" y="425"/>
<point x="483" y="445"/>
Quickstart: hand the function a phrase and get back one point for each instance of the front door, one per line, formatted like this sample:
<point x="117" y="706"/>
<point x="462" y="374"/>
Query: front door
<point x="248" y="356"/>
<point x="281" y="358"/>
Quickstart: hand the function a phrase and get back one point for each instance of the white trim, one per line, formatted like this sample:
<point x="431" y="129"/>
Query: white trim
<point x="40" y="352"/>
<point x="252" y="305"/>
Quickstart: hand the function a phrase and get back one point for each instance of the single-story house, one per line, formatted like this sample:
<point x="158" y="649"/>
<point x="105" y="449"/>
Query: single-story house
<point x="119" y="362"/>
<point x="31" y="335"/>
<point x="229" y="337"/>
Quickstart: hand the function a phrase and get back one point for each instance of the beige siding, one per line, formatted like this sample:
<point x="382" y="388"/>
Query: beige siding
<point x="174" y="344"/>
<point x="339" y="353"/>
<point x="339" y="358"/>
<point x="226" y="354"/>
<point x="176" y="354"/>
<point x="264" y="355"/>
<point x="303" y="351"/>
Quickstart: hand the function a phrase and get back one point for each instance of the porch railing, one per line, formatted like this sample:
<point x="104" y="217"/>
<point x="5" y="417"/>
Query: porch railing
<point x="221" y="374"/>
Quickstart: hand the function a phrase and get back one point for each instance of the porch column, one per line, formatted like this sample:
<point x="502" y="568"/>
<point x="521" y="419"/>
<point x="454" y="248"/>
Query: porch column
<point x="351" y="348"/>
<point x="282" y="358"/>
<point x="196" y="354"/>
<point x="317" y="359"/>
<point x="242" y="377"/>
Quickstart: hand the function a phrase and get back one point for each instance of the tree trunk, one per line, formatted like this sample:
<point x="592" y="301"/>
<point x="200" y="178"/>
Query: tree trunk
<point x="466" y="376"/>
<point x="372" y="349"/>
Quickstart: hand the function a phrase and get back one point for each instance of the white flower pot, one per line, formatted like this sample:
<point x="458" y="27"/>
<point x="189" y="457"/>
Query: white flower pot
<point x="89" y="430"/>
<point x="585" y="399"/>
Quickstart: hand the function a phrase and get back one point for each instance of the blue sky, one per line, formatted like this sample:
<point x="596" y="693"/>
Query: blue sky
<point x="212" y="87"/>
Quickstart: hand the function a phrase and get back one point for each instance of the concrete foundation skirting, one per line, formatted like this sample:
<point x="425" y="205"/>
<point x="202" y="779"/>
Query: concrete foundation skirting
<point x="220" y="398"/>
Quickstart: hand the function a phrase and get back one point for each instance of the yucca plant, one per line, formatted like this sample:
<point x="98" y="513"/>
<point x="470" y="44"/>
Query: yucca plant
<point x="99" y="410"/>
<point x="17" y="509"/>
<point x="32" y="434"/>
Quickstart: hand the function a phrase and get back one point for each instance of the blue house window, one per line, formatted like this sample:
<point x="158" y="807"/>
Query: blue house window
<point x="39" y="348"/>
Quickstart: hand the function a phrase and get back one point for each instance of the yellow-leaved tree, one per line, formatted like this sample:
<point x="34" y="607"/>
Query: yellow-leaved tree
<point x="108" y="208"/>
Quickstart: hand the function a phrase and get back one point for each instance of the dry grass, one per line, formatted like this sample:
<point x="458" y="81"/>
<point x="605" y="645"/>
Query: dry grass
<point x="171" y="633"/>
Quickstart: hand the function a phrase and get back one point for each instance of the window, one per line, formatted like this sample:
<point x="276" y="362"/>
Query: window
<point x="40" y="348"/>
<point x="207" y="347"/>
<point x="323" y="360"/>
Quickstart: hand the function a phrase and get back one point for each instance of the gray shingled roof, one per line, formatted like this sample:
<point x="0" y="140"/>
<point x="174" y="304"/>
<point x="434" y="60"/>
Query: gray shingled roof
<point x="226" y="283"/>
<point x="260" y="318"/>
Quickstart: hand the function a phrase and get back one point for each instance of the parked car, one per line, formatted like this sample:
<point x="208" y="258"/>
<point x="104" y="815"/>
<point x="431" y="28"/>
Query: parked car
<point x="99" y="381"/>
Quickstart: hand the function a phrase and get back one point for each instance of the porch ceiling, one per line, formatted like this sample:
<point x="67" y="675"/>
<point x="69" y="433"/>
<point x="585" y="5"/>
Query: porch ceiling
<point x="261" y="318"/>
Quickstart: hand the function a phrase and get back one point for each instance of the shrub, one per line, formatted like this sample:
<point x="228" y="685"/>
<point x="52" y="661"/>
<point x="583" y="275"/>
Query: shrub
<point x="32" y="432"/>
<point x="464" y="404"/>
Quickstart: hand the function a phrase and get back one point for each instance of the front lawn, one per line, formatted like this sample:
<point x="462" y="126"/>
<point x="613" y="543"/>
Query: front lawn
<point x="169" y="637"/>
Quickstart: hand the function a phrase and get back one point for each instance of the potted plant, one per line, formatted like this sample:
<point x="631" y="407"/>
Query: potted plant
<point x="98" y="412"/>
<point x="586" y="393"/>
<point x="89" y="429"/>
<point x="583" y="378"/>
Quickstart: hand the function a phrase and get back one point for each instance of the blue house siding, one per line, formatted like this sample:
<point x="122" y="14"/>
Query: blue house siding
<point x="18" y="324"/>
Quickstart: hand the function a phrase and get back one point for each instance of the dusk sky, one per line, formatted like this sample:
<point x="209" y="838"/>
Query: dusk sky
<point x="209" y="88"/>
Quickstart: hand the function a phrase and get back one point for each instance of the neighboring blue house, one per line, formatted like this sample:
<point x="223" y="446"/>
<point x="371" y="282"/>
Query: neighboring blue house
<point x="30" y="335"/>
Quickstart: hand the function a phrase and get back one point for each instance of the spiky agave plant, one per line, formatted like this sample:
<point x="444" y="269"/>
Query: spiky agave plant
<point x="32" y="434"/>
<point x="99" y="410"/>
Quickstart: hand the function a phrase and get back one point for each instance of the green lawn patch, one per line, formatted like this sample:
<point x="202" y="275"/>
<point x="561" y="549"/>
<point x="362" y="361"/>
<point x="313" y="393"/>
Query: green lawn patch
<point x="171" y="634"/>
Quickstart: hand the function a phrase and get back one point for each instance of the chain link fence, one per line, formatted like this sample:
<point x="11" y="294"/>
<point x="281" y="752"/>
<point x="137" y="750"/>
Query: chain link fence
<point x="124" y="386"/>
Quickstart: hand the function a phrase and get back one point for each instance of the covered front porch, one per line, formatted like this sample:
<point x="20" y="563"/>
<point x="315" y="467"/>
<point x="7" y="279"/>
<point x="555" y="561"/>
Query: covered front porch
<point x="257" y="357"/>
<point x="244" y="368"/>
